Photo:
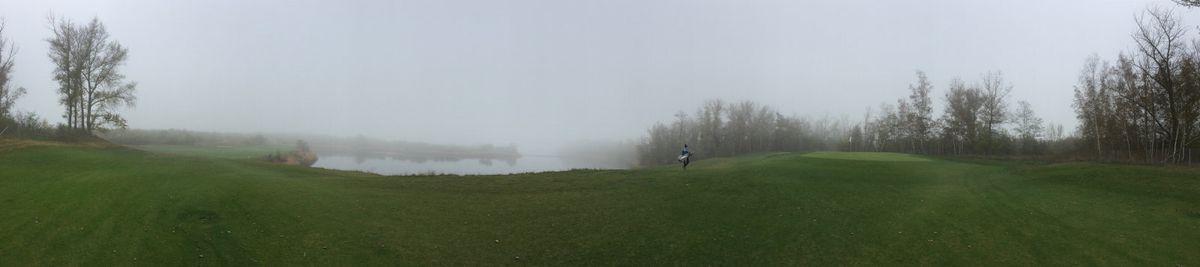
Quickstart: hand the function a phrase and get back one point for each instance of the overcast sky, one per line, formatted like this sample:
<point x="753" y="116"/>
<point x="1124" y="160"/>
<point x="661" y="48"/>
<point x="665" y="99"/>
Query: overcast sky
<point x="541" y="72"/>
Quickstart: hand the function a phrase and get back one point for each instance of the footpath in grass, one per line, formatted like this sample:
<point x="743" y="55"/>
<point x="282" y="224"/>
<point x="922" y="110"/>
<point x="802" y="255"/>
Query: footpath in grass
<point x="66" y="205"/>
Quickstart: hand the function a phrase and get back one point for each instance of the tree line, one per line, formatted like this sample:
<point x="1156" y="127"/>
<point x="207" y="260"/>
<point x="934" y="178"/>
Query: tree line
<point x="91" y="86"/>
<point x="1145" y="105"/>
<point x="1142" y="107"/>
<point x="719" y="128"/>
<point x="977" y="119"/>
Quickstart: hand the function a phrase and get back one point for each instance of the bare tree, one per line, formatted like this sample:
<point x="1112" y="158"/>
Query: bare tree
<point x="920" y="117"/>
<point x="886" y="128"/>
<point x="787" y="134"/>
<point x="739" y="134"/>
<point x="904" y="128"/>
<point x="1160" y="42"/>
<point x="684" y="129"/>
<point x="1091" y="101"/>
<point x="711" y="126"/>
<point x="963" y="105"/>
<point x="994" y="110"/>
<point x="1028" y="124"/>
<point x="88" y="72"/>
<point x="1028" y="128"/>
<point x="1148" y="103"/>
<point x="657" y="146"/>
<point x="1054" y="132"/>
<point x="763" y="126"/>
<point x="8" y="95"/>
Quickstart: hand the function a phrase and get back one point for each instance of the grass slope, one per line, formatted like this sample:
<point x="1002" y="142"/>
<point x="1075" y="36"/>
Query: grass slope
<point x="65" y="205"/>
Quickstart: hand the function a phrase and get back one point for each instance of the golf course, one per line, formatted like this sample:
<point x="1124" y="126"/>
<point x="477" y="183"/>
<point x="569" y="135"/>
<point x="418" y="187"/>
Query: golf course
<point x="67" y="204"/>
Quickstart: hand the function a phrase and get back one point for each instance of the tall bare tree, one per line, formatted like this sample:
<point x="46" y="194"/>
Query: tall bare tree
<point x="87" y="68"/>
<point x="994" y="111"/>
<point x="1147" y="105"/>
<point x="740" y="127"/>
<point x="8" y="94"/>
<point x="920" y="117"/>
<point x="762" y="124"/>
<point x="886" y="128"/>
<point x="711" y="127"/>
<point x="904" y="128"/>
<point x="963" y="106"/>
<point x="1091" y="101"/>
<point x="1168" y="64"/>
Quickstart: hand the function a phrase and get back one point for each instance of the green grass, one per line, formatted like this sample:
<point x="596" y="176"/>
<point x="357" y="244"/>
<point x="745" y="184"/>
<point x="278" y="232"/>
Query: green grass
<point x="66" y="205"/>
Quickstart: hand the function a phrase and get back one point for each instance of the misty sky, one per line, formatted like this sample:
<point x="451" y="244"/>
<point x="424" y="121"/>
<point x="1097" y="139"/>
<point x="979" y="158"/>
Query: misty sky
<point x="541" y="72"/>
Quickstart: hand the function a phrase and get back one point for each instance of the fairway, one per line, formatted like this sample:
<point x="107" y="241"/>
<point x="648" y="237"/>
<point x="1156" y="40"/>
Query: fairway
<point x="69" y="205"/>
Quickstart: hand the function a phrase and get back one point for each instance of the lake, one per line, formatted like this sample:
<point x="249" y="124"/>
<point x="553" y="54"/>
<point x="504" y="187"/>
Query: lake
<point x="402" y="166"/>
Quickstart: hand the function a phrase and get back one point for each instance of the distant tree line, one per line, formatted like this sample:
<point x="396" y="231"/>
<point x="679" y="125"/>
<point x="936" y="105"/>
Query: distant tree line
<point x="720" y="129"/>
<point x="184" y="137"/>
<point x="1145" y="105"/>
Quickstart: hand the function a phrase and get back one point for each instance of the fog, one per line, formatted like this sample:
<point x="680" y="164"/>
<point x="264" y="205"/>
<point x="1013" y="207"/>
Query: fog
<point x="542" y="73"/>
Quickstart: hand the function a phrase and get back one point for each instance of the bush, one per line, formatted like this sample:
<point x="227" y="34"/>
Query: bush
<point x="26" y="125"/>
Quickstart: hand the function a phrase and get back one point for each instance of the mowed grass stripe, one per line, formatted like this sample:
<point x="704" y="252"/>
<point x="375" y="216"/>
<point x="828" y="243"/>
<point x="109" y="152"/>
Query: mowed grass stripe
<point x="72" y="205"/>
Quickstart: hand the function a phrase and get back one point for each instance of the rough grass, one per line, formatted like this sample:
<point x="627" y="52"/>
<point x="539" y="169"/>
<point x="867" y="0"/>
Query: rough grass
<point x="67" y="205"/>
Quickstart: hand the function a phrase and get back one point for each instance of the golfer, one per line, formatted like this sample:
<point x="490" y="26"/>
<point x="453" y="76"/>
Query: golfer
<point x="684" y="156"/>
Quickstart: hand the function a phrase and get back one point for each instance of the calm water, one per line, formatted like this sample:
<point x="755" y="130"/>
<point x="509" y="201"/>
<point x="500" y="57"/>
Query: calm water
<point x="398" y="166"/>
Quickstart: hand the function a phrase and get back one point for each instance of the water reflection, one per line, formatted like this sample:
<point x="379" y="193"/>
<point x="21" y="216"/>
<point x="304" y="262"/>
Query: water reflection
<point x="360" y="158"/>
